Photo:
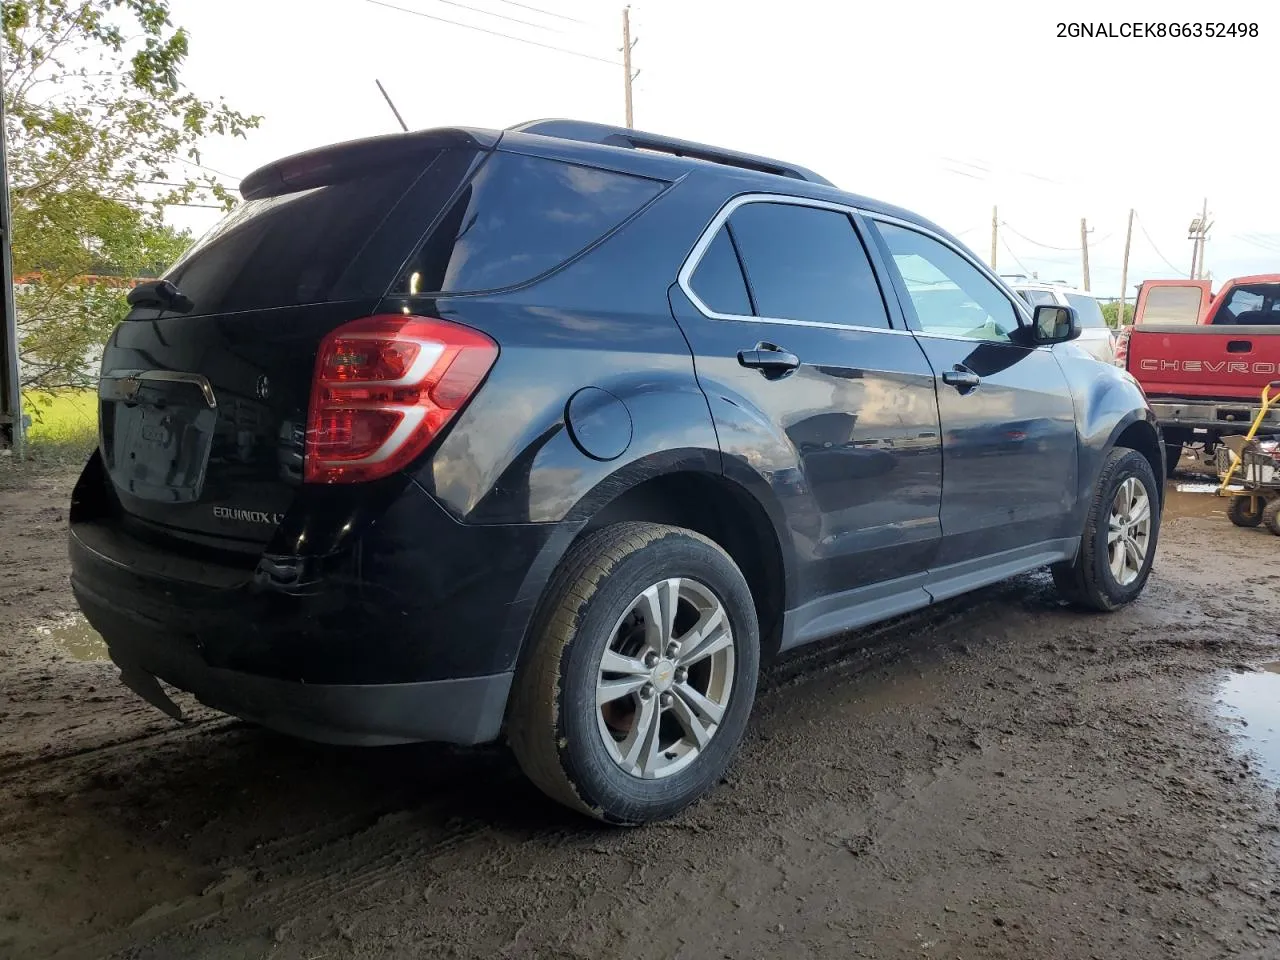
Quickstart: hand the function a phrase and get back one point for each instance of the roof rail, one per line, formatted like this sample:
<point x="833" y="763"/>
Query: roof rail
<point x="602" y="133"/>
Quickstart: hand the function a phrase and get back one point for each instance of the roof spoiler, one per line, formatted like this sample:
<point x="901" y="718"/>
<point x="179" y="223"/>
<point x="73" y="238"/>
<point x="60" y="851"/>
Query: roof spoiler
<point x="340" y="161"/>
<point x="602" y="133"/>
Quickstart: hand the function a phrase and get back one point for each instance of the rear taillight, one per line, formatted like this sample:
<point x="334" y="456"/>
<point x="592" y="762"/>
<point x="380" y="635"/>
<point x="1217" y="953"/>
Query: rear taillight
<point x="1122" y="347"/>
<point x="384" y="388"/>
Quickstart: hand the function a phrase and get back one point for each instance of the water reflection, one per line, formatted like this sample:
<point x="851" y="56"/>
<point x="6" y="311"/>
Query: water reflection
<point x="75" y="638"/>
<point x="1255" y="699"/>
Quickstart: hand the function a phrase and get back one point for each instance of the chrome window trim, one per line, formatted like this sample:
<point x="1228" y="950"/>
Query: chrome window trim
<point x="684" y="279"/>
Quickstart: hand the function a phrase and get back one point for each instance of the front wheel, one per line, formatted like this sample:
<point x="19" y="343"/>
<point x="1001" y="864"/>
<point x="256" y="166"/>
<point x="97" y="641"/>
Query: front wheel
<point x="1119" y="541"/>
<point x="633" y="699"/>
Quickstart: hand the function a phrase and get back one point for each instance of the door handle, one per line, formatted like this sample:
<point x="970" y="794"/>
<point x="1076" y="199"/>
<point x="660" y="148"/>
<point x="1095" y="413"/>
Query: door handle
<point x="962" y="378"/>
<point x="769" y="360"/>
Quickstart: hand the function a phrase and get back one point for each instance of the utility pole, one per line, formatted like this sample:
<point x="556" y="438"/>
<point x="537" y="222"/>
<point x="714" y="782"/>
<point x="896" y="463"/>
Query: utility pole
<point x="10" y="386"/>
<point x="1084" y="250"/>
<point x="628" y="75"/>
<point x="1124" y="270"/>
<point x="1198" y="233"/>
<point x="995" y="230"/>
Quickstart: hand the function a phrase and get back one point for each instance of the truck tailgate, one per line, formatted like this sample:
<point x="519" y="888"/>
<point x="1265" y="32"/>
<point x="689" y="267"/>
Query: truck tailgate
<point x="1228" y="361"/>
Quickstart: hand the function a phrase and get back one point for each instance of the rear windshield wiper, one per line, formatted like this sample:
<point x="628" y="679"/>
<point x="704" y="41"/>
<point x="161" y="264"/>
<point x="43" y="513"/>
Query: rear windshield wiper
<point x="162" y="294"/>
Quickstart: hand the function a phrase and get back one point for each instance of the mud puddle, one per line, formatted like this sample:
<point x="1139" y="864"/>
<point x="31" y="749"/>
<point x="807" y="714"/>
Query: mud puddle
<point x="1252" y="700"/>
<point x="75" y="638"/>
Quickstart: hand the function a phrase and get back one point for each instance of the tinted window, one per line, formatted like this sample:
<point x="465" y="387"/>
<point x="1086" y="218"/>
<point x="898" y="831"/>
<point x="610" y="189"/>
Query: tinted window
<point x="294" y="248"/>
<point x="718" y="280"/>
<point x="804" y="263"/>
<point x="518" y="218"/>
<point x="950" y="295"/>
<point x="1088" y="309"/>
<point x="1257" y="305"/>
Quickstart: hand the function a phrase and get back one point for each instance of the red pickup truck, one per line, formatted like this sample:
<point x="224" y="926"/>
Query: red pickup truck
<point x="1203" y="360"/>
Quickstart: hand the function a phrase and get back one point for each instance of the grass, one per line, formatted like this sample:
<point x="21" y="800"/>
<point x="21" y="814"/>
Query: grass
<point x="64" y="425"/>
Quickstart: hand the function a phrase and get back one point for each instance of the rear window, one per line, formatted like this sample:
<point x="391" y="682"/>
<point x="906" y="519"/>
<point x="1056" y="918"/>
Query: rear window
<point x="1088" y="310"/>
<point x="1038" y="297"/>
<point x="295" y="248"/>
<point x="807" y="263"/>
<point x="519" y="218"/>
<point x="1172" y="305"/>
<point x="1254" y="305"/>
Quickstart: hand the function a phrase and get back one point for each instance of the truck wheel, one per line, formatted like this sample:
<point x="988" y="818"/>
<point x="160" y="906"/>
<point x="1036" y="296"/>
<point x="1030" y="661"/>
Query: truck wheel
<point x="1245" y="511"/>
<point x="1271" y="516"/>
<point x="1120" y="534"/>
<point x="632" y="701"/>
<point x="1172" y="457"/>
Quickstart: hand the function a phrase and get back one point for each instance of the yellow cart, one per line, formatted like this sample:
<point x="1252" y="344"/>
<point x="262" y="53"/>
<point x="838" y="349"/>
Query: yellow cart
<point x="1255" y="465"/>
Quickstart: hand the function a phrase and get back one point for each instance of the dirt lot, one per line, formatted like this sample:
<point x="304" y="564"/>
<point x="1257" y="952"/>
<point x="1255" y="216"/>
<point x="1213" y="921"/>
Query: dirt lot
<point x="998" y="777"/>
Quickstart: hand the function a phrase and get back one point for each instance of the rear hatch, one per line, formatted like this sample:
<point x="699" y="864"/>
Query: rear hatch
<point x="203" y="412"/>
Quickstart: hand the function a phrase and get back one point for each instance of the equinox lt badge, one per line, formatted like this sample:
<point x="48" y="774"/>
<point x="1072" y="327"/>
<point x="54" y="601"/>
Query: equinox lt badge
<point x="247" y="516"/>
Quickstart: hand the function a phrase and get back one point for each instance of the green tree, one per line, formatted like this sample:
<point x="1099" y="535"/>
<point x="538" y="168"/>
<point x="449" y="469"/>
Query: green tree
<point x="101" y="136"/>
<point x="1111" y="311"/>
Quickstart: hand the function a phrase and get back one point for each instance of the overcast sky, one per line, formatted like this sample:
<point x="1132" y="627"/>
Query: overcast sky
<point x="943" y="107"/>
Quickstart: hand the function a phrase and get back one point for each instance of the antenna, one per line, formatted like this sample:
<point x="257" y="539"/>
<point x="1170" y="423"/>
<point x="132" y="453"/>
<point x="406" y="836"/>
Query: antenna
<point x="387" y="97"/>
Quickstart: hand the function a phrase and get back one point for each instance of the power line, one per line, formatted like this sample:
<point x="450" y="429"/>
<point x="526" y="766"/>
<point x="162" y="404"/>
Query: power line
<point x="1005" y="223"/>
<point x="494" y="33"/>
<point x="1015" y="257"/>
<point x="1143" y="227"/>
<point x="500" y="16"/>
<point x="1259" y="240"/>
<point x="549" y="13"/>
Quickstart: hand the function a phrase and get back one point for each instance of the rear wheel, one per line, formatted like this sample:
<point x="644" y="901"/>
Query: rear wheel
<point x="1245" y="511"/>
<point x="1120" y="534"/>
<point x="1271" y="516"/>
<point x="636" y="693"/>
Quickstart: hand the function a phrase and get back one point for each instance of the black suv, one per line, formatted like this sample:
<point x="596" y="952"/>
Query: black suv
<point x="556" y="434"/>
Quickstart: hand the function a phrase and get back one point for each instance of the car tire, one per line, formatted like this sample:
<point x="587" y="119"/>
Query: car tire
<point x="1271" y="516"/>
<point x="1245" y="511"/>
<point x="1092" y="580"/>
<point x="619" y="760"/>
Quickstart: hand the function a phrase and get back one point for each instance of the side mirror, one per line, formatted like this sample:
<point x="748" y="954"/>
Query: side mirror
<point x="1054" y="324"/>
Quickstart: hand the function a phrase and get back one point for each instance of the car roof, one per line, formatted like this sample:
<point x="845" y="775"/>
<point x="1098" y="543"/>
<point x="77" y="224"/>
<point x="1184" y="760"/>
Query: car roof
<point x="1048" y="285"/>
<point x="747" y="172"/>
<point x="635" y="151"/>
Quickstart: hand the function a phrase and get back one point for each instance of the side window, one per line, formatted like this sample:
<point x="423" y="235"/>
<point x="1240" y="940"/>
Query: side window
<point x="807" y="263"/>
<point x="718" y="281"/>
<point x="518" y="218"/>
<point x="950" y="295"/>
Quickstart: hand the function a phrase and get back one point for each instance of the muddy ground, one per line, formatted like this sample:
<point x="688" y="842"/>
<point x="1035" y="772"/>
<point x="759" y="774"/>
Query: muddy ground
<point x="998" y="777"/>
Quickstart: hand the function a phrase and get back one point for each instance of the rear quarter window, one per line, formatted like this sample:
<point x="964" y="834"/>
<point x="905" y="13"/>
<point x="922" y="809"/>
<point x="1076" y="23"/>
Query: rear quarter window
<point x="518" y="218"/>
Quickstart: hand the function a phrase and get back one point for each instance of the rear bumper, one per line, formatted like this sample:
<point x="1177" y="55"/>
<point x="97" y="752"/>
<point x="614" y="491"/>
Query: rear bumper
<point x="411" y="631"/>
<point x="1216" y="415"/>
<point x="465" y="711"/>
